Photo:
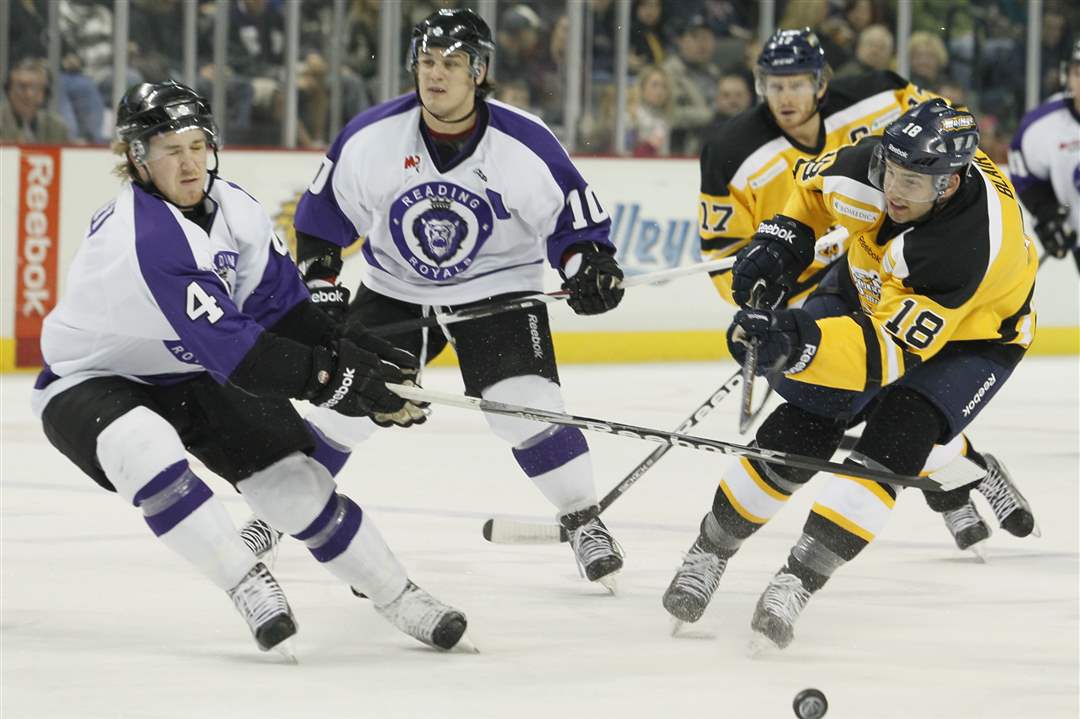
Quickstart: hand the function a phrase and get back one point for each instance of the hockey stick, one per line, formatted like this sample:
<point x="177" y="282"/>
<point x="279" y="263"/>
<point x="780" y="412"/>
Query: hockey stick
<point x="942" y="482"/>
<point x="831" y="243"/>
<point x="509" y="531"/>
<point x="536" y="300"/>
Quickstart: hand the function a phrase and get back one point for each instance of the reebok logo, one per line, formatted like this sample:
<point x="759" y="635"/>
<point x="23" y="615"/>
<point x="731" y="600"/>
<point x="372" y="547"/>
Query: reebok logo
<point x="534" y="334"/>
<point x="343" y="389"/>
<point x="334" y="296"/>
<point x="977" y="399"/>
<point x="805" y="359"/>
<point x="780" y="233"/>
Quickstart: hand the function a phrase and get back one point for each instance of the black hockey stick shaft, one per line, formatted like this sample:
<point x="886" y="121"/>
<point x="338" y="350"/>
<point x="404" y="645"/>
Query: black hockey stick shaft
<point x="644" y="466"/>
<point x="771" y="456"/>
<point x="528" y="301"/>
<point x="746" y="408"/>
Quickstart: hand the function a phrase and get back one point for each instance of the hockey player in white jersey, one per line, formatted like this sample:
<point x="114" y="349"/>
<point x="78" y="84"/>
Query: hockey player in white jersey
<point x="185" y="327"/>
<point x="460" y="200"/>
<point x="1044" y="164"/>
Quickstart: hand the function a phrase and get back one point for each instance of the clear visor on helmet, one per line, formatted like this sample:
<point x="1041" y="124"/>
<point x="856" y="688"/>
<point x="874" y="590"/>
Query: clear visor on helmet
<point x="425" y="44"/>
<point x="903" y="185"/>
<point x="173" y="143"/>
<point x="773" y="86"/>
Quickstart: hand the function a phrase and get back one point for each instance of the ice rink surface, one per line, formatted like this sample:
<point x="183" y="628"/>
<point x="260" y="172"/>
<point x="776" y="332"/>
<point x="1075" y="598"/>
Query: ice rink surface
<point x="100" y="620"/>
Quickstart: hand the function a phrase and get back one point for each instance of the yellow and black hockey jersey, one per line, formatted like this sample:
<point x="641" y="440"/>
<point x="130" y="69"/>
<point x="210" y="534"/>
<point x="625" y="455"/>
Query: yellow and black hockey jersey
<point x="967" y="273"/>
<point x="746" y="169"/>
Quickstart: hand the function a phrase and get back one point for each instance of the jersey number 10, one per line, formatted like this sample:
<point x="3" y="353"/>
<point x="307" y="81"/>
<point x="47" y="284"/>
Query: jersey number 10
<point x="588" y="213"/>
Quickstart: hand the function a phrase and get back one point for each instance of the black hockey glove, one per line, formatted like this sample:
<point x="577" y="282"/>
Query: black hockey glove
<point x="778" y="253"/>
<point x="1054" y="233"/>
<point x="402" y="360"/>
<point x="594" y="285"/>
<point x="352" y="381"/>
<point x="330" y="298"/>
<point x="787" y="339"/>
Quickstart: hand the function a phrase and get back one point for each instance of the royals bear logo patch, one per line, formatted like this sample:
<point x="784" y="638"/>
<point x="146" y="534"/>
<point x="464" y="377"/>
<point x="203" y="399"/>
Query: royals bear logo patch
<point x="439" y="227"/>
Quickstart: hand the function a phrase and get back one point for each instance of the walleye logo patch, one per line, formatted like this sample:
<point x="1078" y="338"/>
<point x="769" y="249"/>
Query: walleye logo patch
<point x="439" y="227"/>
<point x="225" y="268"/>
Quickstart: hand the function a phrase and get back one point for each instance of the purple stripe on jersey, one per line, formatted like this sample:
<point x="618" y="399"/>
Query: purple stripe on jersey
<point x="193" y="300"/>
<point x="279" y="291"/>
<point x="365" y="250"/>
<point x="543" y="144"/>
<point x="552" y="452"/>
<point x="328" y="453"/>
<point x="1034" y="116"/>
<point x="319" y="214"/>
<point x="341" y="538"/>
<point x="45" y="378"/>
<point x="320" y="522"/>
<point x="163" y="479"/>
<point x="162" y="522"/>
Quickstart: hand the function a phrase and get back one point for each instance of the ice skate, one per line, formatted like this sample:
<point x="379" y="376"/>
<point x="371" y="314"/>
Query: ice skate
<point x="427" y="620"/>
<point x="262" y="604"/>
<point x="599" y="557"/>
<point x="777" y="611"/>
<point x="1012" y="511"/>
<point x="694" y="583"/>
<point x="968" y="529"/>
<point x="262" y="539"/>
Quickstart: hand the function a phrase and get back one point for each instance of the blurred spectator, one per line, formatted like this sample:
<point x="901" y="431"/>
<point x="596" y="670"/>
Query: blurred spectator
<point x="30" y="17"/>
<point x="548" y="75"/>
<point x="256" y="38"/>
<point x="928" y="59"/>
<point x="517" y="94"/>
<point x="873" y="52"/>
<point x="518" y="41"/>
<point x="726" y="18"/>
<point x="953" y="92"/>
<point x="646" y="35"/>
<point x="156" y="44"/>
<point x="361" y="37"/>
<point x="837" y="41"/>
<point x="694" y="78"/>
<point x="835" y="37"/>
<point x="650" y="114"/>
<point x="992" y="140"/>
<point x="603" y="40"/>
<point x="596" y="130"/>
<point x="23" y="115"/>
<point x="1055" y="49"/>
<point x="734" y="94"/>
<point x="861" y="14"/>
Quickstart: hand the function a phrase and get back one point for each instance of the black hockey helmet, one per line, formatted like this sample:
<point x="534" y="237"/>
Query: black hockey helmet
<point x="932" y="138"/>
<point x="153" y="108"/>
<point x="791" y="52"/>
<point x="452" y="29"/>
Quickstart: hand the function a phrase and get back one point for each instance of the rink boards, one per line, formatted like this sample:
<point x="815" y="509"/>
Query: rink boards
<point x="48" y="195"/>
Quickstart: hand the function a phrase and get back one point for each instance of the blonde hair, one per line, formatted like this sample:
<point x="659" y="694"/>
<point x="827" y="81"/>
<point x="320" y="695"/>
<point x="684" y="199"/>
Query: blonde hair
<point x="643" y="77"/>
<point x="123" y="170"/>
<point x="924" y="40"/>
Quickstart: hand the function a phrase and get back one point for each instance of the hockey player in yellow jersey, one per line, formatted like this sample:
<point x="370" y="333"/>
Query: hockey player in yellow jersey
<point x="916" y="331"/>
<point x="746" y="169"/>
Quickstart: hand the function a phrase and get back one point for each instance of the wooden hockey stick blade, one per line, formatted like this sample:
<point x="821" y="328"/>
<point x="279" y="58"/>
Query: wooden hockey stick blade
<point x="536" y="300"/>
<point x="510" y="531"/>
<point x="813" y="464"/>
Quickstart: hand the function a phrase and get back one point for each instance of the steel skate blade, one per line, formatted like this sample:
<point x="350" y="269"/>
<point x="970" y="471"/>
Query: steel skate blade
<point x="676" y="625"/>
<point x="610" y="582"/>
<point x="465" y="645"/>
<point x="760" y="645"/>
<point x="1036" y="531"/>
<point x="286" y="650"/>
<point x="979" y="551"/>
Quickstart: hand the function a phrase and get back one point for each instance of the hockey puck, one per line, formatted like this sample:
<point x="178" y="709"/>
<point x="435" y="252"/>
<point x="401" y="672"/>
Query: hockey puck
<point x="810" y="704"/>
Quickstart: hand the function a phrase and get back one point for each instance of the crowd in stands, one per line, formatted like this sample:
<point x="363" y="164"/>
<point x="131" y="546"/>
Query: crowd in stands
<point x="690" y="62"/>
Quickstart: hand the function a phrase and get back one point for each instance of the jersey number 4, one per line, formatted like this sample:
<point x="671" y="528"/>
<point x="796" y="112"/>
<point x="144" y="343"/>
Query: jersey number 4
<point x="922" y="330"/>
<point x="200" y="302"/>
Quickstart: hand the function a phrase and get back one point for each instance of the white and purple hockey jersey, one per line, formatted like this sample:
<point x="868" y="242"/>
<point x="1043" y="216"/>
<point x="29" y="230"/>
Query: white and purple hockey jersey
<point x="478" y="227"/>
<point x="153" y="297"/>
<point x="1046" y="152"/>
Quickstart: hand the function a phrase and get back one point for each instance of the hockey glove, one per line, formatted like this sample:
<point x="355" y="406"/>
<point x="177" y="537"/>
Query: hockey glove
<point x="330" y="298"/>
<point x="352" y="381"/>
<point x="787" y="339"/>
<point x="402" y="360"/>
<point x="778" y="253"/>
<point x="592" y="276"/>
<point x="1054" y="233"/>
